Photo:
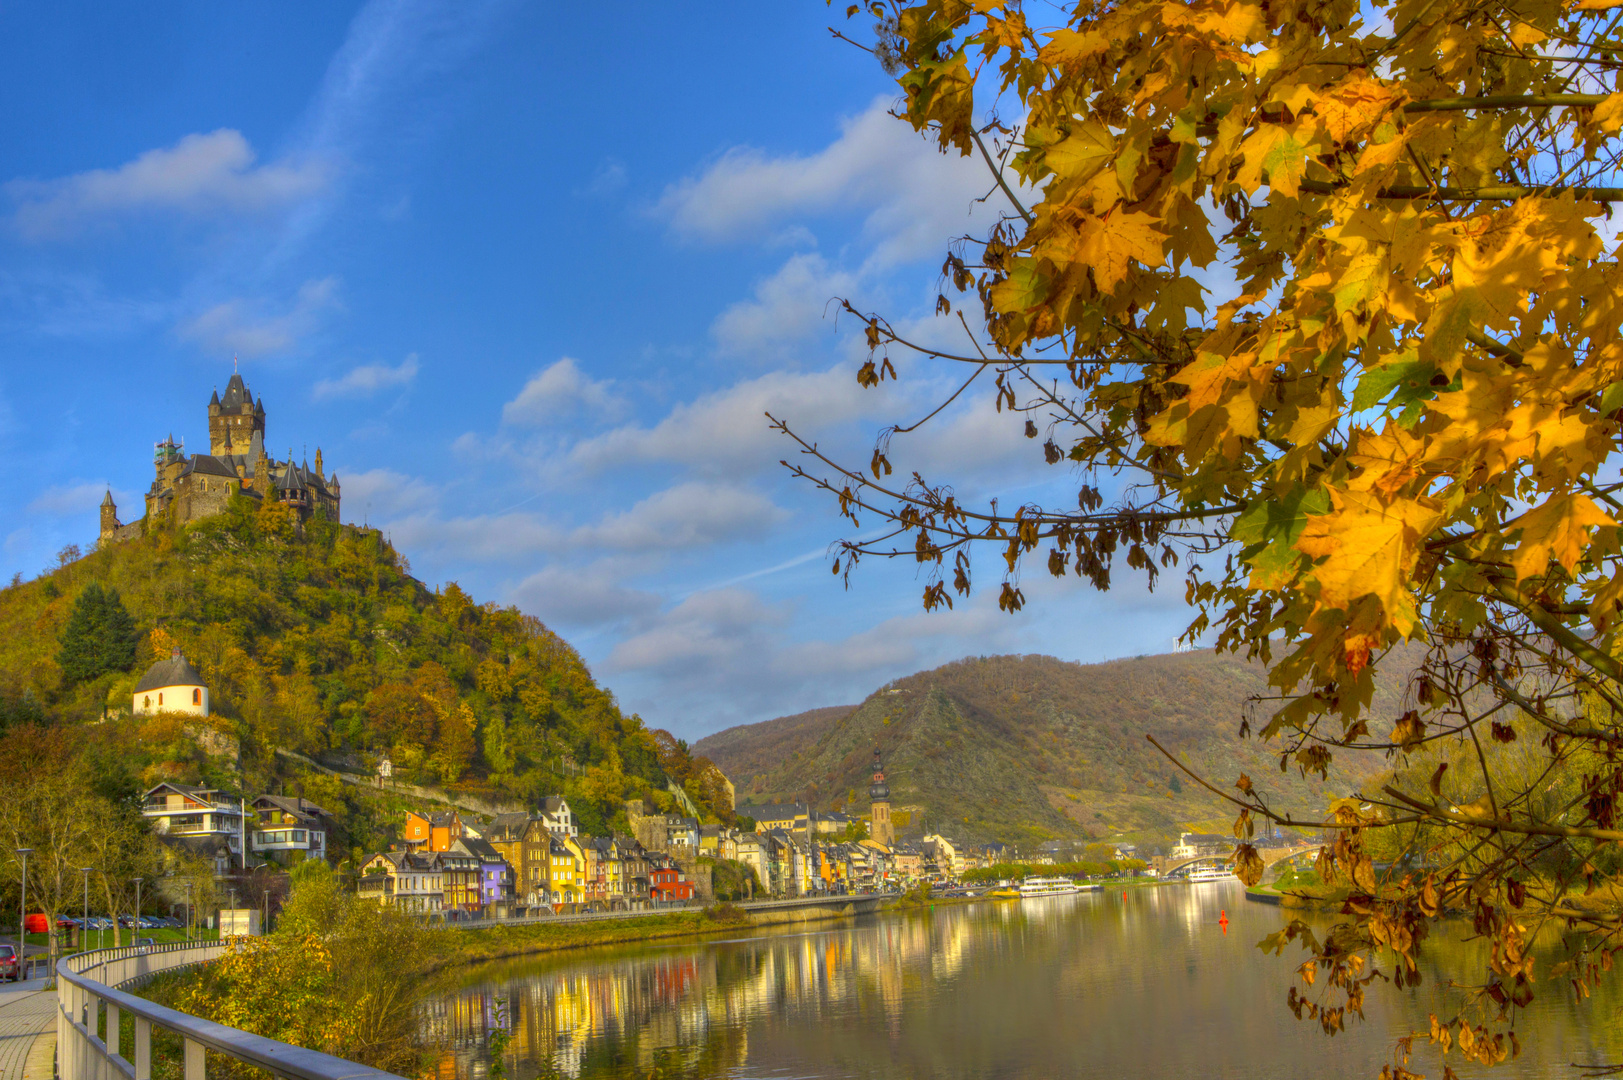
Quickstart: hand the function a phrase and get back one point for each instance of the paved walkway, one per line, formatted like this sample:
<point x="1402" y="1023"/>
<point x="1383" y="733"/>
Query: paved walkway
<point x="27" y="1031"/>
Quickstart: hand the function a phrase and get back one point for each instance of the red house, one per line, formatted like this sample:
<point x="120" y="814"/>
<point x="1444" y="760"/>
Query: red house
<point x="666" y="884"/>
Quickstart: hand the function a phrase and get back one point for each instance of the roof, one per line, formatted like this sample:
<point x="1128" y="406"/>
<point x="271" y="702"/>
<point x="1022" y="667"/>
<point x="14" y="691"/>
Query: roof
<point x="209" y="465"/>
<point x="773" y="812"/>
<point x="236" y="392"/>
<point x="297" y="806"/>
<point x="480" y="849"/>
<point x="174" y="671"/>
<point x="508" y="827"/>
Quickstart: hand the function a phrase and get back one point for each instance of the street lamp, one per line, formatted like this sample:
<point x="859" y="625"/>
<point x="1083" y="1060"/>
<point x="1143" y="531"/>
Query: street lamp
<point x="188" y="911"/>
<point x="22" y="909"/>
<point x="84" y="924"/>
<point x="135" y="921"/>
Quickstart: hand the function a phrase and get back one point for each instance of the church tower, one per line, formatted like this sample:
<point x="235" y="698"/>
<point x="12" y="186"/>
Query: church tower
<point x="882" y="831"/>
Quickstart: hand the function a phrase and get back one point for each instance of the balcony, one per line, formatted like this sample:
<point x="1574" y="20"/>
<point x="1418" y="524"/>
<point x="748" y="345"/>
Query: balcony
<point x="374" y="887"/>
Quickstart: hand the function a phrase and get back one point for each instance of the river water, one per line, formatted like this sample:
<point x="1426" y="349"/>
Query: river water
<point x="1142" y="984"/>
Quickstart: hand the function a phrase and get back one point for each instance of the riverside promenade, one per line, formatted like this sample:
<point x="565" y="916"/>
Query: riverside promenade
<point x="27" y="1030"/>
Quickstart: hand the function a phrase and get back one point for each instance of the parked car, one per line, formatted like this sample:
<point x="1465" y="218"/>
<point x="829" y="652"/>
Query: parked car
<point x="9" y="967"/>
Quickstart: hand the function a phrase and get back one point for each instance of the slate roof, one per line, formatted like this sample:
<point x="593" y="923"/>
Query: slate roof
<point x="236" y="392"/>
<point x="174" y="671"/>
<point x="774" y="812"/>
<point x="209" y="465"/>
<point x="298" y="807"/>
<point x="480" y="849"/>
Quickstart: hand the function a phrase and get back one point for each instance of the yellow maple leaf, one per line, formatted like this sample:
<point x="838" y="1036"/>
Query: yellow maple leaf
<point x="1369" y="543"/>
<point x="1557" y="528"/>
<point x="1111" y="244"/>
<point x="1608" y="115"/>
<point x="1354" y="106"/>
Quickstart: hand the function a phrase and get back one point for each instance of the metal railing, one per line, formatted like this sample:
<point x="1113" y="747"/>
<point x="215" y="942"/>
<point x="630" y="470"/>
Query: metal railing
<point x="91" y="998"/>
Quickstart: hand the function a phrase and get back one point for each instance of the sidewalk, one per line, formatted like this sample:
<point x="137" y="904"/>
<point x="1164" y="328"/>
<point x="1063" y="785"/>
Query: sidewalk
<point x="27" y="1031"/>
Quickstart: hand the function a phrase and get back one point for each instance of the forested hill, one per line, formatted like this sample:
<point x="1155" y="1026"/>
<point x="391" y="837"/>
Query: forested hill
<point x="1023" y="747"/>
<point x="320" y="641"/>
<point x="752" y="750"/>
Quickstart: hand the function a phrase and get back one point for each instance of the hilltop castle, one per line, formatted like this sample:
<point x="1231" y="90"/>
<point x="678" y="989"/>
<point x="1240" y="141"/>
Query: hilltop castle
<point x="191" y="488"/>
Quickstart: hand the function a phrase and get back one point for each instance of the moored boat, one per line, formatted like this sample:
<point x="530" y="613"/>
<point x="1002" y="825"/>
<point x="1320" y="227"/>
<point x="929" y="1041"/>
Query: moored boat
<point x="1047" y="886"/>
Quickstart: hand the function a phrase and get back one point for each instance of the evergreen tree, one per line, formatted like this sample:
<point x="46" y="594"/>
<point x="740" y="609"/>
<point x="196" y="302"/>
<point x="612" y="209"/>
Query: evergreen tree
<point x="99" y="636"/>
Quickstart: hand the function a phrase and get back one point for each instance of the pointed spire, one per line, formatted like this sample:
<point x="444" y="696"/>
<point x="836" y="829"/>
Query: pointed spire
<point x="215" y="398"/>
<point x="107" y="500"/>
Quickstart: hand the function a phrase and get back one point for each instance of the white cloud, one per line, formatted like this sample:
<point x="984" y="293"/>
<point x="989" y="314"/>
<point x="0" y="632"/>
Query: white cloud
<point x="728" y="430"/>
<point x="71" y="499"/>
<point x="368" y="379"/>
<point x="571" y="596"/>
<point x="704" y="631"/>
<point x="381" y="494"/>
<point x="242" y="326"/>
<point x="555" y="391"/>
<point x="688" y="515"/>
<point x="914" y="196"/>
<point x="788" y="307"/>
<point x="199" y="175"/>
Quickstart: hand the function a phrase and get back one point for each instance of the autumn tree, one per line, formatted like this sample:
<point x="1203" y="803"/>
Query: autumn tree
<point x="1319" y="302"/>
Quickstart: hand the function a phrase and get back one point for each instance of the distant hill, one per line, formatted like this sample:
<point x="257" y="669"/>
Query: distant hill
<point x="1026" y="747"/>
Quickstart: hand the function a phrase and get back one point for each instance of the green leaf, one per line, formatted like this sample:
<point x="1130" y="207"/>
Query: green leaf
<point x="1376" y="383"/>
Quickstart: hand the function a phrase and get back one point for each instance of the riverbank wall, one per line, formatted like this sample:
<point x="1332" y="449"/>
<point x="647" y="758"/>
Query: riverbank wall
<point x="510" y="942"/>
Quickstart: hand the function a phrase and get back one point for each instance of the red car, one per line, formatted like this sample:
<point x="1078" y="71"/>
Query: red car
<point x="9" y="968"/>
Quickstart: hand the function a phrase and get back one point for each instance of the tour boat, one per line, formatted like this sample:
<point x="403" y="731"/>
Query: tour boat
<point x="1047" y="886"/>
<point x="1212" y="872"/>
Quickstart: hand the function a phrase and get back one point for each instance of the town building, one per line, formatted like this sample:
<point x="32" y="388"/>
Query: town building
<point x="667" y="884"/>
<point x="190" y="488"/>
<point x="495" y="876"/>
<point x="460" y="875"/>
<point x="433" y="832"/>
<point x="407" y="880"/>
<point x="206" y="818"/>
<point x="288" y="829"/>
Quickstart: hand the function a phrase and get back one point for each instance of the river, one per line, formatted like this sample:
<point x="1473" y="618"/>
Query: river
<point x="1108" y="985"/>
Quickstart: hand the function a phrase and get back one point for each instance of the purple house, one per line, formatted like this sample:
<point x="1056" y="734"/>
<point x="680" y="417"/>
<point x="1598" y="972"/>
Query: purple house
<point x="495" y="876"/>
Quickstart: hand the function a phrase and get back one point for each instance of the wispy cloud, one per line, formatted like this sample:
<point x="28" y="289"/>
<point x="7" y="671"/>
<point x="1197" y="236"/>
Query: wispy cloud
<point x="914" y="197"/>
<point x="368" y="379"/>
<point x="786" y="312"/>
<point x="244" y="326"/>
<point x="556" y="391"/>
<point x="199" y="175"/>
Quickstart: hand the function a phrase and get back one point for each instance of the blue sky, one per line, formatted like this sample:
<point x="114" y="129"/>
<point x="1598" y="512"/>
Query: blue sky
<point x="529" y="275"/>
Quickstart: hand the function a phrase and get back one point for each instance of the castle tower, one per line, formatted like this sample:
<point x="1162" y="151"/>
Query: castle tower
<point x="109" y="518"/>
<point x="882" y="831"/>
<point x="236" y="421"/>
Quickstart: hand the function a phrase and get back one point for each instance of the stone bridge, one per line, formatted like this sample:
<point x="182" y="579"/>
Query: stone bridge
<point x="1271" y="857"/>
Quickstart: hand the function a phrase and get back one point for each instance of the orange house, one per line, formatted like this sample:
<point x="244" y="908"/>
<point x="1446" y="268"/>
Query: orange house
<point x="432" y="832"/>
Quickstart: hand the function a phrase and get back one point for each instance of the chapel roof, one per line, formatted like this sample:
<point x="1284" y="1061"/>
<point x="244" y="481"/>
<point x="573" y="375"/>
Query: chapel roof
<point x="175" y="671"/>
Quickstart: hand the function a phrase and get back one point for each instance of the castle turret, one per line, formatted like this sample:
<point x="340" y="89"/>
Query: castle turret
<point x="882" y="831"/>
<point x="109" y="518"/>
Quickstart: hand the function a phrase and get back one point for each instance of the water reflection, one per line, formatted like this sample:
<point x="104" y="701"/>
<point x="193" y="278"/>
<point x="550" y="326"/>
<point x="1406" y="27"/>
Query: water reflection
<point x="1098" y="985"/>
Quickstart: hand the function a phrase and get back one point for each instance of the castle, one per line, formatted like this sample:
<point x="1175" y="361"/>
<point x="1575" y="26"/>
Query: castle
<point x="191" y="488"/>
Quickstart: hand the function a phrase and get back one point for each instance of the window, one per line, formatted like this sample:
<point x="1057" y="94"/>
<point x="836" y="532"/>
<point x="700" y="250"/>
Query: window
<point x="146" y="702"/>
<point x="160" y="701"/>
<point x="197" y="697"/>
